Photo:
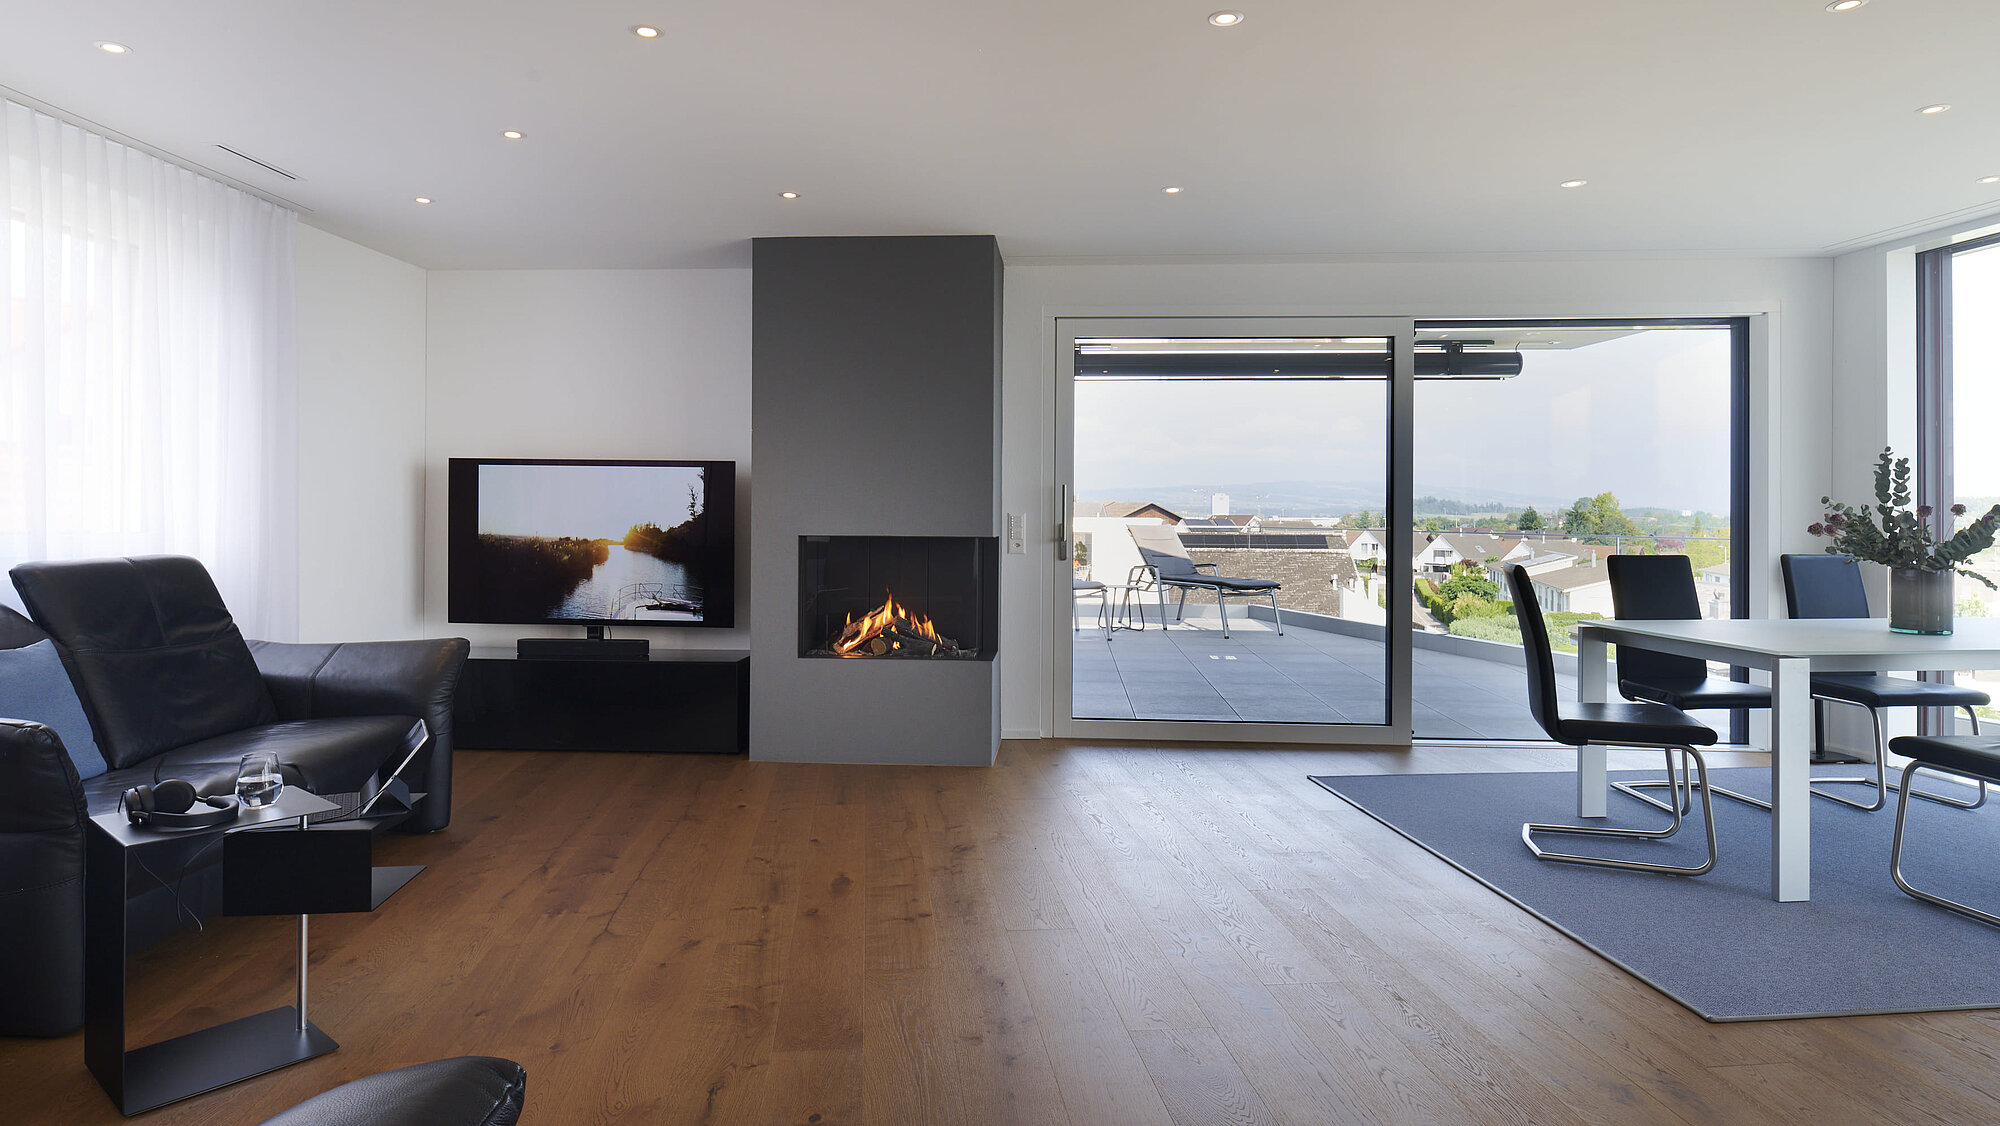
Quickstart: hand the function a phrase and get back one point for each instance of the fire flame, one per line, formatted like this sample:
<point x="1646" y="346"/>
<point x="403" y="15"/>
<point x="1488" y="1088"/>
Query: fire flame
<point x="879" y="621"/>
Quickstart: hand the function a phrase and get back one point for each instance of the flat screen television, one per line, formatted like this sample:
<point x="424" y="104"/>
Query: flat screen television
<point x="592" y="543"/>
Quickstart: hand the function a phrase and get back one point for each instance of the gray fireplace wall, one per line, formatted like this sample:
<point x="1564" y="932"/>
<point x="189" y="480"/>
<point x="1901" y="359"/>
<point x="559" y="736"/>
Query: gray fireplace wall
<point x="874" y="410"/>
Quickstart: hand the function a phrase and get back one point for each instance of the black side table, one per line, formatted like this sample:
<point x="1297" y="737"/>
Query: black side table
<point x="272" y="864"/>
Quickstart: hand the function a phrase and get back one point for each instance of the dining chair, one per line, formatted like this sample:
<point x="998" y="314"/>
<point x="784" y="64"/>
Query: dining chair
<point x="1829" y="586"/>
<point x="1969" y="757"/>
<point x="1661" y="588"/>
<point x="1631" y="724"/>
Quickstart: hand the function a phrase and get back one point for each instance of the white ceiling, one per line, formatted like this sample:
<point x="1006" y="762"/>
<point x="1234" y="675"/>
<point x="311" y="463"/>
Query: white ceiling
<point x="1317" y="127"/>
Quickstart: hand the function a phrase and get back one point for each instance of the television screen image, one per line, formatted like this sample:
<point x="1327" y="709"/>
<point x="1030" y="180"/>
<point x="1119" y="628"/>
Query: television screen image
<point x="592" y="542"/>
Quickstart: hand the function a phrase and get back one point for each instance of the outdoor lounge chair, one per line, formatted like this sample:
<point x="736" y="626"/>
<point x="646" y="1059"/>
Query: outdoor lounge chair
<point x="1168" y="565"/>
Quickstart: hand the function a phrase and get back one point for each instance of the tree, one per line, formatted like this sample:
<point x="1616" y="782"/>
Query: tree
<point x="1576" y="518"/>
<point x="1529" y="520"/>
<point x="1363" y="519"/>
<point x="1597" y="519"/>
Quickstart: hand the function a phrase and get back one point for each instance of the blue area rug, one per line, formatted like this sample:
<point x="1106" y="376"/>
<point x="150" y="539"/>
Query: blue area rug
<point x="1718" y="943"/>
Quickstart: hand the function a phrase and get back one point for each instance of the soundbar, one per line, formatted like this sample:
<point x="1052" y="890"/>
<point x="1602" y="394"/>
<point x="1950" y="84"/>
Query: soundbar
<point x="581" y="649"/>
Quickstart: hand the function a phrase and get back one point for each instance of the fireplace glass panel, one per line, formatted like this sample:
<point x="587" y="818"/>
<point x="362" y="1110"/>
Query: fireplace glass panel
<point x="898" y="596"/>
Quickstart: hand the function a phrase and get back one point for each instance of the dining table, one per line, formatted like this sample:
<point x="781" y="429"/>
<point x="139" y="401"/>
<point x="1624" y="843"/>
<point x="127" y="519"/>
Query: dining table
<point x="1789" y="651"/>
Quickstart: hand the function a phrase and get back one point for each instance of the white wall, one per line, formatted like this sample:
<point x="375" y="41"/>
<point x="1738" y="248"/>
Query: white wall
<point x="1791" y="418"/>
<point x="587" y="363"/>
<point x="361" y="442"/>
<point x="656" y="363"/>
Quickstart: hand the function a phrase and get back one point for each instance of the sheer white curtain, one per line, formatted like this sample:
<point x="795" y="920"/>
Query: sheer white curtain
<point x="148" y="388"/>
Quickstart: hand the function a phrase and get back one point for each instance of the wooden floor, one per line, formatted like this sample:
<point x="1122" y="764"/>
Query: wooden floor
<point x="1090" y="935"/>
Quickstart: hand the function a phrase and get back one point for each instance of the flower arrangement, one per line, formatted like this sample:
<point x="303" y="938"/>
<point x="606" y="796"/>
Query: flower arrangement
<point x="1895" y="535"/>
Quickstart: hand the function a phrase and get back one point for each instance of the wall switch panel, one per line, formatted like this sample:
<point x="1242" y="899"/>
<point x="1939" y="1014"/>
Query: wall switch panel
<point x="1017" y="540"/>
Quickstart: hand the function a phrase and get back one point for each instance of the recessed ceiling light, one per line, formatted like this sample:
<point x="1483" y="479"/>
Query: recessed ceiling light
<point x="644" y="32"/>
<point x="1572" y="183"/>
<point x="1171" y="191"/>
<point x="1845" y="5"/>
<point x="111" y="48"/>
<point x="511" y="134"/>
<point x="1988" y="180"/>
<point x="1934" y="108"/>
<point x="788" y="195"/>
<point x="1225" y="18"/>
<point x="423" y="199"/>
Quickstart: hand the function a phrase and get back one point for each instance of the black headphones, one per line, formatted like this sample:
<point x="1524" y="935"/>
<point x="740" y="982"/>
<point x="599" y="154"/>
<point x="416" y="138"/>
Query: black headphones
<point x="171" y="805"/>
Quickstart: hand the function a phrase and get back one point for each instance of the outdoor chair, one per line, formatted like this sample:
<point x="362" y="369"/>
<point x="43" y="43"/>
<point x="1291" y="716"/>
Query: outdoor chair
<point x="1972" y="758"/>
<point x="1829" y="586"/>
<point x="1661" y="588"/>
<point x="1081" y="589"/>
<point x="1167" y="565"/>
<point x="1638" y="724"/>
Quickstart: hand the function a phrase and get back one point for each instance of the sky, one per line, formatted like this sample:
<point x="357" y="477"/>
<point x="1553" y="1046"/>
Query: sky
<point x="1975" y="376"/>
<point x="598" y="502"/>
<point x="1645" y="416"/>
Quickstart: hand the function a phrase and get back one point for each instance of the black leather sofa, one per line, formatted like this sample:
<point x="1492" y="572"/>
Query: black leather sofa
<point x="171" y="690"/>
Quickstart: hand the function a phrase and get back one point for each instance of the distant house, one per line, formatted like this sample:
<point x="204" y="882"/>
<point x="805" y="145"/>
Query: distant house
<point x="1126" y="510"/>
<point x="1104" y="549"/>
<point x="1441" y="551"/>
<point x="1543" y="555"/>
<point x="1580" y="589"/>
<point x="1370" y="543"/>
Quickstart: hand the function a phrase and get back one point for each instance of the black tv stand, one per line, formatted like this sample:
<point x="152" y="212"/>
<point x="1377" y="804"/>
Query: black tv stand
<point x="670" y="700"/>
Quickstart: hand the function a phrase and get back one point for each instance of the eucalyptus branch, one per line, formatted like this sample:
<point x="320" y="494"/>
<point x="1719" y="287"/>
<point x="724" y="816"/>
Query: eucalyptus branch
<point x="1894" y="535"/>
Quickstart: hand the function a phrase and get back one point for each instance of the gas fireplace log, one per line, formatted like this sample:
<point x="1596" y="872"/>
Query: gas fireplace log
<point x="913" y="642"/>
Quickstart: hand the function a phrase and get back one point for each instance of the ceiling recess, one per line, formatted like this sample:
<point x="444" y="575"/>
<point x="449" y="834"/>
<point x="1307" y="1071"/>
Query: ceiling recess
<point x="266" y="167"/>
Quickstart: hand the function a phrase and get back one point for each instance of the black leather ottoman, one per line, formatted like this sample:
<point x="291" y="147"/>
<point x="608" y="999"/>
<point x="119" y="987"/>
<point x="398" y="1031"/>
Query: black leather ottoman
<point x="466" y="1091"/>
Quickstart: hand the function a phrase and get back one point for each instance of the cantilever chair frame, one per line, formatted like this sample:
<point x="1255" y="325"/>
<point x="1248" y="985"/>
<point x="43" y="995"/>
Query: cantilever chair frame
<point x="1881" y="780"/>
<point x="1683" y="788"/>
<point x="1896" y="843"/>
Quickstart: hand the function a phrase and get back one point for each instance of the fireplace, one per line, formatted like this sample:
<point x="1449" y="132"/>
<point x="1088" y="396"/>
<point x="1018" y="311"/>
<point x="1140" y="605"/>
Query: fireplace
<point x="902" y="598"/>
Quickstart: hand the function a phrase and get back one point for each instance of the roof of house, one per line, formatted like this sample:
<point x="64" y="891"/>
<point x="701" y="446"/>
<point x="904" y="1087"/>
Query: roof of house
<point x="1573" y="578"/>
<point x="1345" y="573"/>
<point x="1481" y="546"/>
<point x="1125" y="510"/>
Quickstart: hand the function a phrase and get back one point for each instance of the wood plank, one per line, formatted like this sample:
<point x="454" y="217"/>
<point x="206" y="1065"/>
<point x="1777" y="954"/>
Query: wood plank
<point x="1103" y="1080"/>
<point x="1198" y="1079"/>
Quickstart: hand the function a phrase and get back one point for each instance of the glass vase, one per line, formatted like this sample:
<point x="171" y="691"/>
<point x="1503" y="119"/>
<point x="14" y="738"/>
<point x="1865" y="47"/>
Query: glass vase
<point x="1919" y="601"/>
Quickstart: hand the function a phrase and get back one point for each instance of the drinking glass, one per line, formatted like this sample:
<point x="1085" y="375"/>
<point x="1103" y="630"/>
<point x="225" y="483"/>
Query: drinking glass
<point x="258" y="780"/>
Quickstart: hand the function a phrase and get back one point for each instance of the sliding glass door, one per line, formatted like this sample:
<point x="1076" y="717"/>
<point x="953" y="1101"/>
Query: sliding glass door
<point x="1299" y="529"/>
<point x="1212" y="588"/>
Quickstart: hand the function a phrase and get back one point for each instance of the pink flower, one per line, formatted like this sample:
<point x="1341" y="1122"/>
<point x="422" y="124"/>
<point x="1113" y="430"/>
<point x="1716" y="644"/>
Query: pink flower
<point x="1958" y="510"/>
<point x="1924" y="510"/>
<point x="1817" y="529"/>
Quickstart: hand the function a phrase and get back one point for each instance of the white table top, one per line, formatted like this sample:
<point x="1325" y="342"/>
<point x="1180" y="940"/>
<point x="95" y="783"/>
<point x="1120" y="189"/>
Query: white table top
<point x="1832" y="644"/>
